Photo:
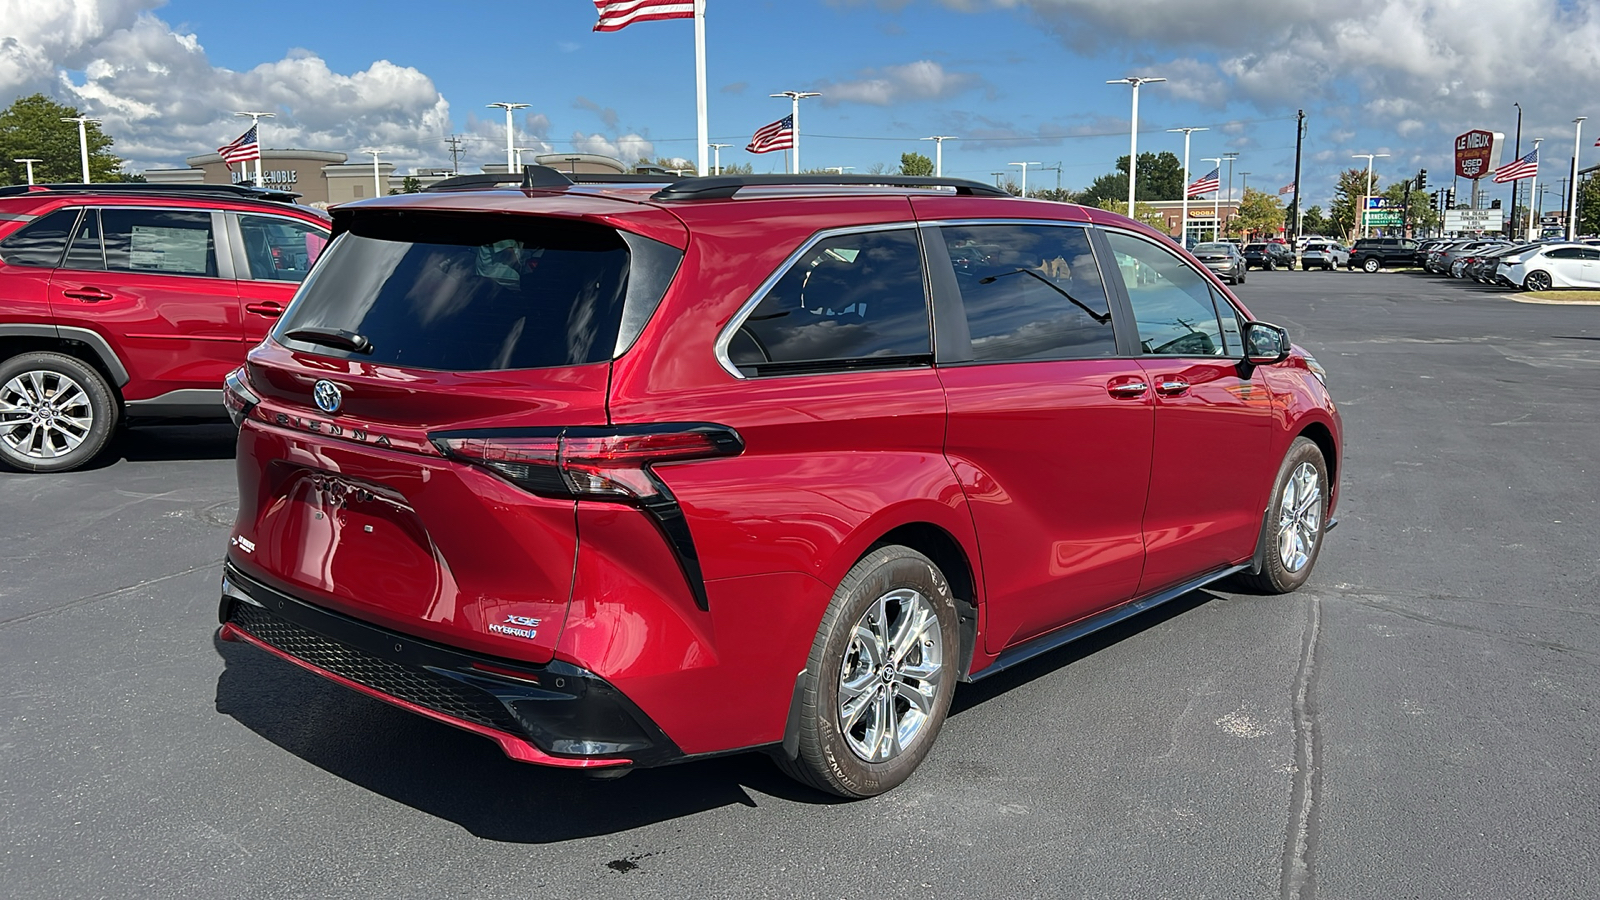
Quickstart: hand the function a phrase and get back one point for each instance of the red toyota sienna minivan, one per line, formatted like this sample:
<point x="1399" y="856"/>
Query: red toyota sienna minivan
<point x="621" y="474"/>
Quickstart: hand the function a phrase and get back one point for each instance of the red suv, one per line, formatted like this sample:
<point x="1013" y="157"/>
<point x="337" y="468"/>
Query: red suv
<point x="125" y="301"/>
<point x="620" y="475"/>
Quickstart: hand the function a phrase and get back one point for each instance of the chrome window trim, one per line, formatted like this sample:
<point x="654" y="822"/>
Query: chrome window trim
<point x="725" y="337"/>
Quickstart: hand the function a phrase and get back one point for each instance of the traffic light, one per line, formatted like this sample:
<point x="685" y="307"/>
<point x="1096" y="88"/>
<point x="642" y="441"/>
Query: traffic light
<point x="1450" y="199"/>
<point x="1422" y="180"/>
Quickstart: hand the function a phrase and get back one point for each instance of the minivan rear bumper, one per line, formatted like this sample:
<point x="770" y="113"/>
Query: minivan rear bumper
<point x="555" y="714"/>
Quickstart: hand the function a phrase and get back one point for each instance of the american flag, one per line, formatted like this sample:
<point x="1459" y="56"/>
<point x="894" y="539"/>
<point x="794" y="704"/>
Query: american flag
<point x="616" y="15"/>
<point x="1286" y="189"/>
<point x="777" y="136"/>
<point x="1526" y="167"/>
<point x="243" y="148"/>
<point x="1205" y="184"/>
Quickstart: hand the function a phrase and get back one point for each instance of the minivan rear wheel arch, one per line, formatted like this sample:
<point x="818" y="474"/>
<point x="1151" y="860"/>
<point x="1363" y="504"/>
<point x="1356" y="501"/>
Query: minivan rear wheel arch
<point x="947" y="553"/>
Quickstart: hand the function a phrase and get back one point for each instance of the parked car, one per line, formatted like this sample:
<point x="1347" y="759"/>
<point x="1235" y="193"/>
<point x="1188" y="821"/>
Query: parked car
<point x="619" y="475"/>
<point x="1540" y="267"/>
<point x="1224" y="259"/>
<point x="1433" y="258"/>
<point x="1372" y="254"/>
<point x="1325" y="255"/>
<point x="1454" y="253"/>
<point x="127" y="302"/>
<point x="1483" y="266"/>
<point x="1268" y="255"/>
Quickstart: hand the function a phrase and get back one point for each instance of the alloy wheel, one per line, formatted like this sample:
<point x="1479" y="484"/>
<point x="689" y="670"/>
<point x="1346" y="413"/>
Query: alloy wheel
<point x="1299" y="517"/>
<point x="44" y="415"/>
<point x="1538" y="281"/>
<point x="890" y="675"/>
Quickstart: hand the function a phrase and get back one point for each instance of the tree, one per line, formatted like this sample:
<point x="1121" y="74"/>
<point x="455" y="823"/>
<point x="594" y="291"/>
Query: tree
<point x="915" y="164"/>
<point x="1160" y="178"/>
<point x="1343" y="212"/>
<point x="738" y="169"/>
<point x="411" y="184"/>
<point x="32" y="127"/>
<point x="1059" y="195"/>
<point x="1260" y="212"/>
<point x="1589" y="206"/>
<point x="1422" y="214"/>
<point x="1314" y="222"/>
<point x="1146" y="212"/>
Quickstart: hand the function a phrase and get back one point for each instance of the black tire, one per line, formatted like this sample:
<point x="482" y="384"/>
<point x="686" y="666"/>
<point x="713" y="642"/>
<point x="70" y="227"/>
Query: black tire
<point x="1268" y="265"/>
<point x="1277" y="576"/>
<point x="1241" y="277"/>
<point x="1371" y="264"/>
<point x="1537" y="280"/>
<point x="27" y="446"/>
<point x="826" y="760"/>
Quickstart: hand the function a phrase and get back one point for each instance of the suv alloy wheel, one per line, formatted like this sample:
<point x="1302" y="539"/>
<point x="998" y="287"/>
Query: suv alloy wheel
<point x="1371" y="264"/>
<point x="56" y="413"/>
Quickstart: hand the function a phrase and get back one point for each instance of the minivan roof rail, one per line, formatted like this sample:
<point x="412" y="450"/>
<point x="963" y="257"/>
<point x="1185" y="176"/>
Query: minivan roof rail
<point x="713" y="187"/>
<point x="156" y="189"/>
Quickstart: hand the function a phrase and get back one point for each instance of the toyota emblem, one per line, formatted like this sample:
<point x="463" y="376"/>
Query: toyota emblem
<point x="327" y="396"/>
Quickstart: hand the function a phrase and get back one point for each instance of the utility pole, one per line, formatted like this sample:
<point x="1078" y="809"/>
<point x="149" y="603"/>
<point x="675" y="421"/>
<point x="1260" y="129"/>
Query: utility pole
<point x="454" y="143"/>
<point x="511" y="150"/>
<point x="938" y="152"/>
<point x="83" y="144"/>
<point x="29" y="161"/>
<point x="1516" y="186"/>
<point x="795" y="97"/>
<point x="1299" y="142"/>
<point x="716" y="150"/>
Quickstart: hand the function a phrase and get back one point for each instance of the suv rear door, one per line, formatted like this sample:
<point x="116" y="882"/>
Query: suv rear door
<point x="271" y="255"/>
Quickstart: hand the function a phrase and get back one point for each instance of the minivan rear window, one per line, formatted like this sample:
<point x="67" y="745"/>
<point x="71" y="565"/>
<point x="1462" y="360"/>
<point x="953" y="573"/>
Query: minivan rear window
<point x="478" y="293"/>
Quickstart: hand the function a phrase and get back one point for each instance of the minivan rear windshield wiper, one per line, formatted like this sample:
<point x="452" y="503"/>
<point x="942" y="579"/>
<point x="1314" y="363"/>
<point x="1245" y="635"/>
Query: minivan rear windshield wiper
<point x="337" y="338"/>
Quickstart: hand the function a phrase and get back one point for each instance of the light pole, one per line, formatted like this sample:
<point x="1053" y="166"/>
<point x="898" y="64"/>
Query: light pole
<point x="795" y="97"/>
<point x="1216" y="195"/>
<point x="377" y="184"/>
<point x="1369" y="157"/>
<point x="83" y="141"/>
<point x="1230" y="157"/>
<point x="255" y="122"/>
<point x="1024" y="166"/>
<point x="716" y="150"/>
<point x="29" y="161"/>
<point x="519" y="151"/>
<point x="1516" y="186"/>
<point x="1572" y="197"/>
<point x="1183" y="233"/>
<point x="1133" y="138"/>
<point x="938" y="152"/>
<point x="511" y="150"/>
<point x="1533" y="195"/>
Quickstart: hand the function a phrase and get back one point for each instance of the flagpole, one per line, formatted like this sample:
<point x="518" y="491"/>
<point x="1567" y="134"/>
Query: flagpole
<point x="1216" y="210"/>
<point x="1183" y="236"/>
<point x="255" y="122"/>
<point x="795" y="97"/>
<point x="1533" y="193"/>
<point x="700" y="81"/>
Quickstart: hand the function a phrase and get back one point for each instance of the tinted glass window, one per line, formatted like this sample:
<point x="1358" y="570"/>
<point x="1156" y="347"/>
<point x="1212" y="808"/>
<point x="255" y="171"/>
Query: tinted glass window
<point x="1171" y="301"/>
<point x="40" y="242"/>
<point x="280" y="249"/>
<point x="1030" y="292"/>
<point x="850" y="300"/>
<point x="159" y="241"/>
<point x="86" y="251"/>
<point x="467" y="293"/>
<point x="1565" y="253"/>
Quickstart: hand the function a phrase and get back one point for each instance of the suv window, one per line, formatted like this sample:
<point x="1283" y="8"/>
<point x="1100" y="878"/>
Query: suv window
<point x="851" y="300"/>
<point x="86" y="251"/>
<point x="475" y="293"/>
<point x="159" y="241"/>
<point x="40" y="242"/>
<point x="1172" y="303"/>
<point x="280" y="249"/>
<point x="1030" y="292"/>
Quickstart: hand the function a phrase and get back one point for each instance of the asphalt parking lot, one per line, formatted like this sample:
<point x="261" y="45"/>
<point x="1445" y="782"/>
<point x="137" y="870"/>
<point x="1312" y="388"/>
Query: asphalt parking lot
<point x="1419" y="721"/>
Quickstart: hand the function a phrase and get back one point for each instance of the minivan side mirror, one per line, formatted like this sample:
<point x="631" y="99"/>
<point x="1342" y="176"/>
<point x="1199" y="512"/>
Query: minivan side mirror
<point x="1265" y="344"/>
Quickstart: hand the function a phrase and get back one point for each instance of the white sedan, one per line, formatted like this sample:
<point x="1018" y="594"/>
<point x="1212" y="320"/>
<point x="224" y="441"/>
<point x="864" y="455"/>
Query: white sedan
<point x="1553" y="266"/>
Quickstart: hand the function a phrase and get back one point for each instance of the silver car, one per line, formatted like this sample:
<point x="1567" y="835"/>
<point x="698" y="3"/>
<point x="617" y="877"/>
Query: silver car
<point x="1222" y="258"/>
<point x="1325" y="255"/>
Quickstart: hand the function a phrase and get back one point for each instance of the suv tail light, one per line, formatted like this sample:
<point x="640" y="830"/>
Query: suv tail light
<point x="602" y="464"/>
<point x="237" y="396"/>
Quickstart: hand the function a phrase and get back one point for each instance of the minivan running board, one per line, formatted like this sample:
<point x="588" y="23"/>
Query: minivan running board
<point x="1054" y="640"/>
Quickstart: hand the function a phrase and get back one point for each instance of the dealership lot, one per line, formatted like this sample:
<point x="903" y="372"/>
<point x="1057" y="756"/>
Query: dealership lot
<point x="1418" y="720"/>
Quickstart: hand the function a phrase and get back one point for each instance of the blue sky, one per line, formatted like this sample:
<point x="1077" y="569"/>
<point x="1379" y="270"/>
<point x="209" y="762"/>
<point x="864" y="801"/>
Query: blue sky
<point x="1017" y="80"/>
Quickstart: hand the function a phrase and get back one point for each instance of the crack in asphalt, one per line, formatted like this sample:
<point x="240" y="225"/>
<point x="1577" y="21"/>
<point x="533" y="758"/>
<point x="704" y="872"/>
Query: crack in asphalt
<point x="1299" y="852"/>
<point x="5" y="623"/>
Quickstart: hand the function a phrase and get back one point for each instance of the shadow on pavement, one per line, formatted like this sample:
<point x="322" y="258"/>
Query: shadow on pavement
<point x="168" y="441"/>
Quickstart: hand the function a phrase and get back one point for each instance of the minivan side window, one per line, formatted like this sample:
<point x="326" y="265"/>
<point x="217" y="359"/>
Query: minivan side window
<point x="159" y="241"/>
<point x="1172" y="303"/>
<point x="40" y="242"/>
<point x="850" y="301"/>
<point x="1030" y="292"/>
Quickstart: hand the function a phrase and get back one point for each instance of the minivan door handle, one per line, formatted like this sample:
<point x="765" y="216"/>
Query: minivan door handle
<point x="1169" y="387"/>
<point x="86" y="294"/>
<point x="269" y="308"/>
<point x="1127" y="389"/>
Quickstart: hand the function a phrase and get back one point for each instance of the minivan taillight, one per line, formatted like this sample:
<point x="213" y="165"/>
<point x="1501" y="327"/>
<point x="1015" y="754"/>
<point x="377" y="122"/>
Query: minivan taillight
<point x="237" y="396"/>
<point x="593" y="463"/>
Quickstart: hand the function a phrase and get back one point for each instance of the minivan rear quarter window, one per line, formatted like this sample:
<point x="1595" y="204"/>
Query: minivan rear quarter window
<point x="475" y="293"/>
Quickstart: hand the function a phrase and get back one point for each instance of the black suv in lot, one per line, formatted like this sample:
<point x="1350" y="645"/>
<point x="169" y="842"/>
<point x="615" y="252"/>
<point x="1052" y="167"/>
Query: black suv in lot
<point x="1372" y="254"/>
<point x="1268" y="255"/>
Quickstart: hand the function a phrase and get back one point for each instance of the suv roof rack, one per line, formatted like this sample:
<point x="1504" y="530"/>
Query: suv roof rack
<point x="156" y="189"/>
<point x="713" y="187"/>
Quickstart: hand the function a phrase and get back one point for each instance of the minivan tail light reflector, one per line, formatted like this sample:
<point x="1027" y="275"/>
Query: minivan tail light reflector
<point x="237" y="396"/>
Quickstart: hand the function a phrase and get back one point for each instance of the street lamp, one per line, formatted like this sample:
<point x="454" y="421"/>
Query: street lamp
<point x="1183" y="233"/>
<point x="29" y="161"/>
<point x="519" y="152"/>
<point x="1025" y="166"/>
<point x="83" y="141"/>
<point x="255" y="118"/>
<point x="716" y="150"/>
<point x="1369" y="157"/>
<point x="1133" y="137"/>
<point x="1572" y="197"/>
<point x="1216" y="209"/>
<point x="1230" y="157"/>
<point x="377" y="184"/>
<point x="511" y="150"/>
<point x="795" y="97"/>
<point x="938" y="152"/>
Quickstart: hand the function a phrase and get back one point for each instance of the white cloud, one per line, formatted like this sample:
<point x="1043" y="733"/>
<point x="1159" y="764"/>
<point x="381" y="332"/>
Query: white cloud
<point x="921" y="80"/>
<point x="162" y="100"/>
<point x="630" y="148"/>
